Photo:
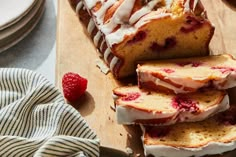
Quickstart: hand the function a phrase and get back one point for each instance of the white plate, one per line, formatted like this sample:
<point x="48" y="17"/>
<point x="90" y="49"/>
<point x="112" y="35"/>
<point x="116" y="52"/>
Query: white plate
<point x="16" y="32"/>
<point x="11" y="11"/>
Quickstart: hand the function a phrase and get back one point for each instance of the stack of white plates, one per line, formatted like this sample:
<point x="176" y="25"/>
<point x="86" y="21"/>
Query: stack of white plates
<point x="17" y="19"/>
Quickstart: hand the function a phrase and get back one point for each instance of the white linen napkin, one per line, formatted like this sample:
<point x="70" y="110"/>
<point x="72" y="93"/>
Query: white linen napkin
<point x="36" y="121"/>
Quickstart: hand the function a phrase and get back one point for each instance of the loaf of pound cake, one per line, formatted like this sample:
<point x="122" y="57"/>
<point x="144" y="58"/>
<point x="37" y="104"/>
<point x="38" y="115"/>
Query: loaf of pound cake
<point x="138" y="106"/>
<point x="126" y="31"/>
<point x="215" y="135"/>
<point x="189" y="74"/>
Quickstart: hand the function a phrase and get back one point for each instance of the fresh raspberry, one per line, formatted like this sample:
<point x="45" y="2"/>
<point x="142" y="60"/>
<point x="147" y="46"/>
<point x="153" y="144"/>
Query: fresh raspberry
<point x="74" y="86"/>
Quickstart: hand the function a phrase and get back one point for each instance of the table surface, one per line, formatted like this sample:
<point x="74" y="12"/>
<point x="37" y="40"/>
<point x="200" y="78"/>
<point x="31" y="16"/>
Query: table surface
<point x="38" y="50"/>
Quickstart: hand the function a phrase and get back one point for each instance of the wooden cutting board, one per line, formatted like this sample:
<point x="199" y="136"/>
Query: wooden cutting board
<point x="76" y="53"/>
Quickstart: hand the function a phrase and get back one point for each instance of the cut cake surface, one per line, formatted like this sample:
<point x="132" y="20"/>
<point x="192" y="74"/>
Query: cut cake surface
<point x="137" y="106"/>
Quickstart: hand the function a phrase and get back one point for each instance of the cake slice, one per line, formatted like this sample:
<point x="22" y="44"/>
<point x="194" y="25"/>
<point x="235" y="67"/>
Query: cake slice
<point x="188" y="74"/>
<point x="126" y="31"/>
<point x="212" y="136"/>
<point x="138" y="106"/>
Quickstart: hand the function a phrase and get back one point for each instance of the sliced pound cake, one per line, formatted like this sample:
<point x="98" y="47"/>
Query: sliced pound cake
<point x="125" y="31"/>
<point x="137" y="106"/>
<point x="189" y="74"/>
<point x="212" y="136"/>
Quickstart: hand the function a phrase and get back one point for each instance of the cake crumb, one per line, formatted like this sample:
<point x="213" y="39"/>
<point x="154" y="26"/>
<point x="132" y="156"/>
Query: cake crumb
<point x="129" y="136"/>
<point x="121" y="134"/>
<point x="129" y="150"/>
<point x="102" y="66"/>
<point x="113" y="108"/>
<point x="99" y="53"/>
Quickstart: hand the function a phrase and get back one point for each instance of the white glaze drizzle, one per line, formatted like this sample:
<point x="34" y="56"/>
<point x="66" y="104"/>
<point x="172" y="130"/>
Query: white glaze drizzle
<point x="106" y="54"/>
<point x="145" y="10"/>
<point x="102" y="43"/>
<point x="119" y="17"/>
<point x="123" y="13"/>
<point x="122" y="16"/>
<point x="101" y="12"/>
<point x="91" y="3"/>
<point x="97" y="38"/>
<point x="195" y="4"/>
<point x="113" y="62"/>
<point x="150" y="17"/>
<point x="187" y="4"/>
<point x="79" y="7"/>
<point x="168" y="3"/>
<point x="91" y="26"/>
<point x="115" y="37"/>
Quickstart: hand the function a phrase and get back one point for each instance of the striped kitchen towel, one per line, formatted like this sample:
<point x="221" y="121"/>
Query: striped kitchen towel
<point x="36" y="121"/>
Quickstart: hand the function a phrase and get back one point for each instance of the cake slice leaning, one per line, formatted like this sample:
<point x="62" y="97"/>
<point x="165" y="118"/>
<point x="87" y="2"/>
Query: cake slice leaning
<point x="139" y="106"/>
<point x="188" y="74"/>
<point x="215" y="135"/>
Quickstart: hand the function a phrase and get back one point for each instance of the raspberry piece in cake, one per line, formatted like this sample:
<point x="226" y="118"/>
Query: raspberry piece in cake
<point x="192" y="24"/>
<point x="168" y="70"/>
<point x="131" y="96"/>
<point x="224" y="70"/>
<point x="138" y="37"/>
<point x="185" y="104"/>
<point x="169" y="43"/>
